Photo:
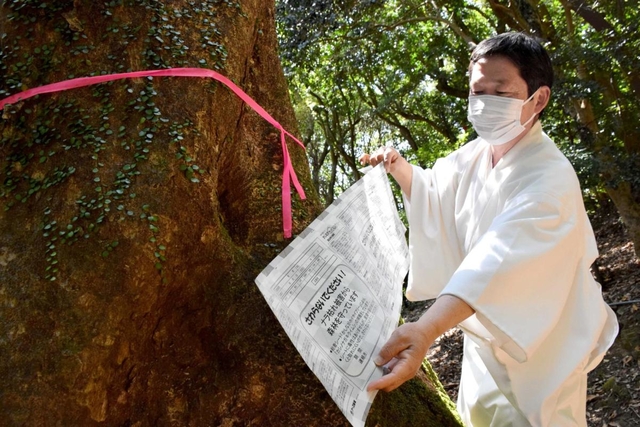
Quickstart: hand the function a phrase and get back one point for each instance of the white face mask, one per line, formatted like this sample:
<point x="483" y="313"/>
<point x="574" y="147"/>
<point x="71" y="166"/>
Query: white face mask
<point x="497" y="118"/>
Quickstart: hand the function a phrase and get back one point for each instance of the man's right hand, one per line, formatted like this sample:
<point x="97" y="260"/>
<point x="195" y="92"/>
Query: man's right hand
<point x="388" y="155"/>
<point x="394" y="164"/>
<point x="402" y="355"/>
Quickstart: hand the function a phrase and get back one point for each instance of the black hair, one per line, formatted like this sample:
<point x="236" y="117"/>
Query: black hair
<point x="525" y="52"/>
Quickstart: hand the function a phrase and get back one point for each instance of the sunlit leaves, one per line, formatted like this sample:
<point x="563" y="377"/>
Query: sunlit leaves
<point x="400" y="67"/>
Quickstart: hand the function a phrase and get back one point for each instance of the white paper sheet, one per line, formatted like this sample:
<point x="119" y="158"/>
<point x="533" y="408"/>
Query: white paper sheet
<point x="337" y="290"/>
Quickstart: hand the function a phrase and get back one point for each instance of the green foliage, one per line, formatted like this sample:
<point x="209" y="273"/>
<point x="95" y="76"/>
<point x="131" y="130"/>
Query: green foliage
<point x="395" y="73"/>
<point x="370" y="75"/>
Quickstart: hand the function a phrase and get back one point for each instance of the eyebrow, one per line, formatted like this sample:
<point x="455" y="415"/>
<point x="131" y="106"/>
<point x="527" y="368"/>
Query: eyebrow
<point x="503" y="84"/>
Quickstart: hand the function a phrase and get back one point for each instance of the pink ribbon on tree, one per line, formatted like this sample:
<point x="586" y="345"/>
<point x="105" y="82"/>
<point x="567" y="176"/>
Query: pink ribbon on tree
<point x="288" y="173"/>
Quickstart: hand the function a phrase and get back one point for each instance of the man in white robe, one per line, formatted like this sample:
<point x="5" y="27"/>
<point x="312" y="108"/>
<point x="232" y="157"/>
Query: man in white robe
<point x="500" y="236"/>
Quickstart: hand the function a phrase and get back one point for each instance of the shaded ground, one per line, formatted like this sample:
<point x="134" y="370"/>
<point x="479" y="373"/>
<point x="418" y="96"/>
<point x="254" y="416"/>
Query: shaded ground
<point x="614" y="386"/>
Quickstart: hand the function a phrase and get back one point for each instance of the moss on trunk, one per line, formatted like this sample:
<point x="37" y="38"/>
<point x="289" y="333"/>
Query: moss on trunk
<point x="135" y="215"/>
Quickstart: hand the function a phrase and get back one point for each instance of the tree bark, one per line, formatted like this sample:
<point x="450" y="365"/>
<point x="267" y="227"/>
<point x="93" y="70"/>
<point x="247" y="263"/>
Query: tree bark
<point x="134" y="217"/>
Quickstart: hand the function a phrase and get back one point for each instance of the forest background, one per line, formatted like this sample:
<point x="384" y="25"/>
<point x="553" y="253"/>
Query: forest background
<point x="370" y="73"/>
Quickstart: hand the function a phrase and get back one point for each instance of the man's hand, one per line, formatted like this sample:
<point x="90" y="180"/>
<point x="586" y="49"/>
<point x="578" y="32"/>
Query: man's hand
<point x="388" y="155"/>
<point x="408" y="345"/>
<point x="394" y="164"/>
<point x="403" y="355"/>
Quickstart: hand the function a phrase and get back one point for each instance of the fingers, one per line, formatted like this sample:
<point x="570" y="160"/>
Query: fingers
<point x="371" y="159"/>
<point x="399" y="372"/>
<point x="402" y="356"/>
<point x="386" y="155"/>
<point x="389" y="157"/>
<point x="398" y="342"/>
<point x="389" y="366"/>
<point x="386" y="383"/>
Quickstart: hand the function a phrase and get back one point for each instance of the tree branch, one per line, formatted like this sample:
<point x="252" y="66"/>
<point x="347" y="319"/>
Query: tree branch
<point x="593" y="18"/>
<point x="468" y="40"/>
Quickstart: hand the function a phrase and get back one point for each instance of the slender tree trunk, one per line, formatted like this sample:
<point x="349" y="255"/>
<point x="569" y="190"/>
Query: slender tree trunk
<point x="135" y="215"/>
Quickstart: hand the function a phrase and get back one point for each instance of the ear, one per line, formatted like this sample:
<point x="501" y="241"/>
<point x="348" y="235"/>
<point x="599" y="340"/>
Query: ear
<point x="544" y="94"/>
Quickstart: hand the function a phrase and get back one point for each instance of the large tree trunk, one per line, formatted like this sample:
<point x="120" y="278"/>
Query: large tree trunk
<point x="134" y="217"/>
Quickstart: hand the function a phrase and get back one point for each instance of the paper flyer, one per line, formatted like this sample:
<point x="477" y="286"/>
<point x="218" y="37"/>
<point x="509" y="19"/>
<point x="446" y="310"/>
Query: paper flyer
<point x="337" y="290"/>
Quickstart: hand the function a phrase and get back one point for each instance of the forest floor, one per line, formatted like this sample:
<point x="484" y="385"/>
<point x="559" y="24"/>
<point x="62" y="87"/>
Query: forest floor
<point x="613" y="395"/>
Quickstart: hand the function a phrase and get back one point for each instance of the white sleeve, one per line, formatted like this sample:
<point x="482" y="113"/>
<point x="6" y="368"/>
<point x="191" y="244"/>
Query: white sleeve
<point x="519" y="274"/>
<point x="433" y="244"/>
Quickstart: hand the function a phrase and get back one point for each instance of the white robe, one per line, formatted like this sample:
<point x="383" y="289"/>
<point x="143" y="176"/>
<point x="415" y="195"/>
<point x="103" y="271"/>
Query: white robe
<point x="514" y="242"/>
